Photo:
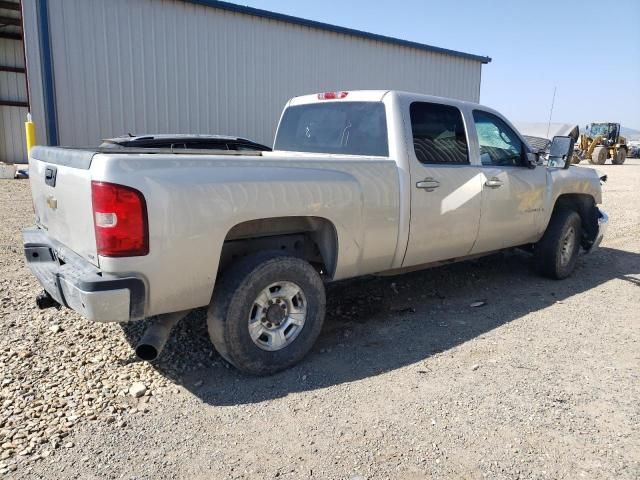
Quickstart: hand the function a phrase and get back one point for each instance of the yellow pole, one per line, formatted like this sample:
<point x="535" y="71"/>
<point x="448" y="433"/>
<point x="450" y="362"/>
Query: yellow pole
<point x="30" y="130"/>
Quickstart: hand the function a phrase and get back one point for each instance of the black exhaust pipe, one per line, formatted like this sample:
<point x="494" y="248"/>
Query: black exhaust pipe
<point x="156" y="335"/>
<point x="44" y="300"/>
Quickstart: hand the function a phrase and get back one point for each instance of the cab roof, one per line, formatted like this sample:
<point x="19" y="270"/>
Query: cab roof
<point x="375" y="96"/>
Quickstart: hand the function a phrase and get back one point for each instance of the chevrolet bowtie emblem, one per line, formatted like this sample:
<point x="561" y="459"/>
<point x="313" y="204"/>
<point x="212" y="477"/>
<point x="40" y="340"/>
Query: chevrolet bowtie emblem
<point x="52" y="202"/>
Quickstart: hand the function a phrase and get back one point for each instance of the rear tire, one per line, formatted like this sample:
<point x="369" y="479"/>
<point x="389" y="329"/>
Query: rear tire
<point x="556" y="253"/>
<point x="619" y="157"/>
<point x="266" y="312"/>
<point x="599" y="155"/>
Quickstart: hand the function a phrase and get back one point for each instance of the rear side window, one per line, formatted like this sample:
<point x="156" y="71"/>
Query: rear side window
<point x="438" y="134"/>
<point x="351" y="128"/>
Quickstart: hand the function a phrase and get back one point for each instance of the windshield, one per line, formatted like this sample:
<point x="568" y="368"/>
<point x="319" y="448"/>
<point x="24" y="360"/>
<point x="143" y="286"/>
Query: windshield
<point x="599" y="129"/>
<point x="351" y="128"/>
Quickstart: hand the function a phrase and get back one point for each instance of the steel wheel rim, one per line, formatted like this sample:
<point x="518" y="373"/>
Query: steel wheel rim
<point x="568" y="245"/>
<point x="277" y="316"/>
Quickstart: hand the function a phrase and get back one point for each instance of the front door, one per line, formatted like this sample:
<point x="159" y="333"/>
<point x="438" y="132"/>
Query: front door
<point x="445" y="188"/>
<point x="512" y="193"/>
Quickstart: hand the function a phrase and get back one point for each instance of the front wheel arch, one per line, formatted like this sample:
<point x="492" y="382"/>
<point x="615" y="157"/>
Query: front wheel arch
<point x="556" y="254"/>
<point x="585" y="206"/>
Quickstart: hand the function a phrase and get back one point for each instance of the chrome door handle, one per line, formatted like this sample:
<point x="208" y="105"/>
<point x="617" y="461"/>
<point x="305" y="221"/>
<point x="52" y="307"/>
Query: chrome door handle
<point x="493" y="183"/>
<point x="429" y="184"/>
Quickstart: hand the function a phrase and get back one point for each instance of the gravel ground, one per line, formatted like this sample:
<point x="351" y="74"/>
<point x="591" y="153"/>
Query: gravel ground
<point x="407" y="380"/>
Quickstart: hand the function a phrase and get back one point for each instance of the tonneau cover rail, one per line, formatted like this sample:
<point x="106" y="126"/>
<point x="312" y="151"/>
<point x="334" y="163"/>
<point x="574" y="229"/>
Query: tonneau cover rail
<point x="80" y="157"/>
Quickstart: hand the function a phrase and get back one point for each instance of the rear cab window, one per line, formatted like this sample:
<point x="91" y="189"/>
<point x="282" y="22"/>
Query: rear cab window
<point x="349" y="128"/>
<point x="438" y="134"/>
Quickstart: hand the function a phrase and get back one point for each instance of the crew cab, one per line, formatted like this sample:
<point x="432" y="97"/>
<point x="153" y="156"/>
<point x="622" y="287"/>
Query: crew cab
<point x="358" y="182"/>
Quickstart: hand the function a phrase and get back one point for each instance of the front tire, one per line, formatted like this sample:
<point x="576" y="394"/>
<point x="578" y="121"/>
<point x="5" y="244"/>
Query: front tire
<point x="556" y="253"/>
<point x="266" y="312"/>
<point x="599" y="155"/>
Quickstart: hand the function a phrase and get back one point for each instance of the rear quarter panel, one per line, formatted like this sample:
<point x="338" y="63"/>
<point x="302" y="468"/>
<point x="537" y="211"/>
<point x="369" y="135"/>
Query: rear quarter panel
<point x="193" y="201"/>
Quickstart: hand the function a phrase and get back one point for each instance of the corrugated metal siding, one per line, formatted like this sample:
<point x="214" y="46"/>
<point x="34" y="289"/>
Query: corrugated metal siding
<point x="12" y="87"/>
<point x="12" y="137"/>
<point x="162" y="66"/>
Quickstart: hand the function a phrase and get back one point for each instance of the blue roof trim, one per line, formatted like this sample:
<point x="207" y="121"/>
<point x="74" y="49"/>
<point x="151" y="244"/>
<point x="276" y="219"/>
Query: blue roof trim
<point x="46" y="64"/>
<point x="256" y="12"/>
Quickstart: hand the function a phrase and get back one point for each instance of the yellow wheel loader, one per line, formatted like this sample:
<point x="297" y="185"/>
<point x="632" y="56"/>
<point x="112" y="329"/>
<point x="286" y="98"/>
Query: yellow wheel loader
<point x="600" y="141"/>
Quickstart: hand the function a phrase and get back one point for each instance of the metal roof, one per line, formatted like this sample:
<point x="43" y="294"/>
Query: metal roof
<point x="257" y="12"/>
<point x="547" y="130"/>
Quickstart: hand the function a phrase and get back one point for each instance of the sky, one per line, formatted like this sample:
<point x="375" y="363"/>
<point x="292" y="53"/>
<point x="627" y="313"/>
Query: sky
<point x="588" y="50"/>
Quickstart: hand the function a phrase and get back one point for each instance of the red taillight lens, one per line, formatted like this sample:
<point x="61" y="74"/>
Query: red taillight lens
<point x="332" y="95"/>
<point x="120" y="219"/>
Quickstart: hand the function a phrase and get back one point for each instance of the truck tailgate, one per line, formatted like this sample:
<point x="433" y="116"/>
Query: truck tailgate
<point x="61" y="190"/>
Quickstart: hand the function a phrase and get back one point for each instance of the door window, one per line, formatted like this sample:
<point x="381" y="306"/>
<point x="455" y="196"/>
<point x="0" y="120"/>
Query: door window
<point x="499" y="144"/>
<point x="438" y="134"/>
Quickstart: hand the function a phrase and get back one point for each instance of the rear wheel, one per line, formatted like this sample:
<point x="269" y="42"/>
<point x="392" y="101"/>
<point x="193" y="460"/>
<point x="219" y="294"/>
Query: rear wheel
<point x="556" y="253"/>
<point x="267" y="312"/>
<point x="619" y="157"/>
<point x="599" y="155"/>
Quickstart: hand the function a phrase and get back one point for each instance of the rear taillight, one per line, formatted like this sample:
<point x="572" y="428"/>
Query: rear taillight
<point x="120" y="219"/>
<point x="332" y="95"/>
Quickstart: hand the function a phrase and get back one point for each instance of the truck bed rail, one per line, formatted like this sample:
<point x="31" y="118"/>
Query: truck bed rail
<point x="80" y="157"/>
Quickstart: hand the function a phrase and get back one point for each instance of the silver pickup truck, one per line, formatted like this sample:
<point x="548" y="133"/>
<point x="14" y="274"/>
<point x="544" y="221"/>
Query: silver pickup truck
<point x="358" y="182"/>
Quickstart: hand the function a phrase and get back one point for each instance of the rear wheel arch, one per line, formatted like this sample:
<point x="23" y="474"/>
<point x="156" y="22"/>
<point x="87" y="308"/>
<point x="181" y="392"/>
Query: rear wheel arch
<point x="314" y="239"/>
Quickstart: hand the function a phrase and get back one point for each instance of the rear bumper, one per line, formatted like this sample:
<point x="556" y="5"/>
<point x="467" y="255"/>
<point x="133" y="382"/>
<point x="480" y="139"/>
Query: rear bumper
<point x="77" y="284"/>
<point x="603" y="223"/>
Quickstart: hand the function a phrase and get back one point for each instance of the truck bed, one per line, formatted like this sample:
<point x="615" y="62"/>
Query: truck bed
<point x="194" y="199"/>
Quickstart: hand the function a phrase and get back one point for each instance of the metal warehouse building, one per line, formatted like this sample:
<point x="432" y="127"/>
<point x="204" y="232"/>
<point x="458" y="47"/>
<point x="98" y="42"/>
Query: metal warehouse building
<point x="97" y="69"/>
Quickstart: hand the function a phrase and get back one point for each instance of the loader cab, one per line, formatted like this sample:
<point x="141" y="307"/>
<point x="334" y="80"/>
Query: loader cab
<point x="610" y="132"/>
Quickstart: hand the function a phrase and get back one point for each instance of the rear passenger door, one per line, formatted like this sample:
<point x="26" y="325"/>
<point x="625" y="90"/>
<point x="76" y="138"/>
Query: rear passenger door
<point x="512" y="193"/>
<point x="445" y="187"/>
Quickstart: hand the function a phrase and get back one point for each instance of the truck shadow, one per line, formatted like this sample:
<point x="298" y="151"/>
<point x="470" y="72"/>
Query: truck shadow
<point x="378" y="324"/>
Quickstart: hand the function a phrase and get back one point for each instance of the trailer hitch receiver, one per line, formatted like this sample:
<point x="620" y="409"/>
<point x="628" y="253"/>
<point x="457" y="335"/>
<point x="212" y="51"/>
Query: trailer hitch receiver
<point x="44" y="301"/>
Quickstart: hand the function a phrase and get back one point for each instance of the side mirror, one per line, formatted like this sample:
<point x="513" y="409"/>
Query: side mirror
<point x="560" y="152"/>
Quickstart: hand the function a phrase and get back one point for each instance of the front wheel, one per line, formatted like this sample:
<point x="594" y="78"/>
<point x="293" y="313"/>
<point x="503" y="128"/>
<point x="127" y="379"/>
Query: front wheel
<point x="266" y="312"/>
<point x="556" y="254"/>
<point x="599" y="155"/>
